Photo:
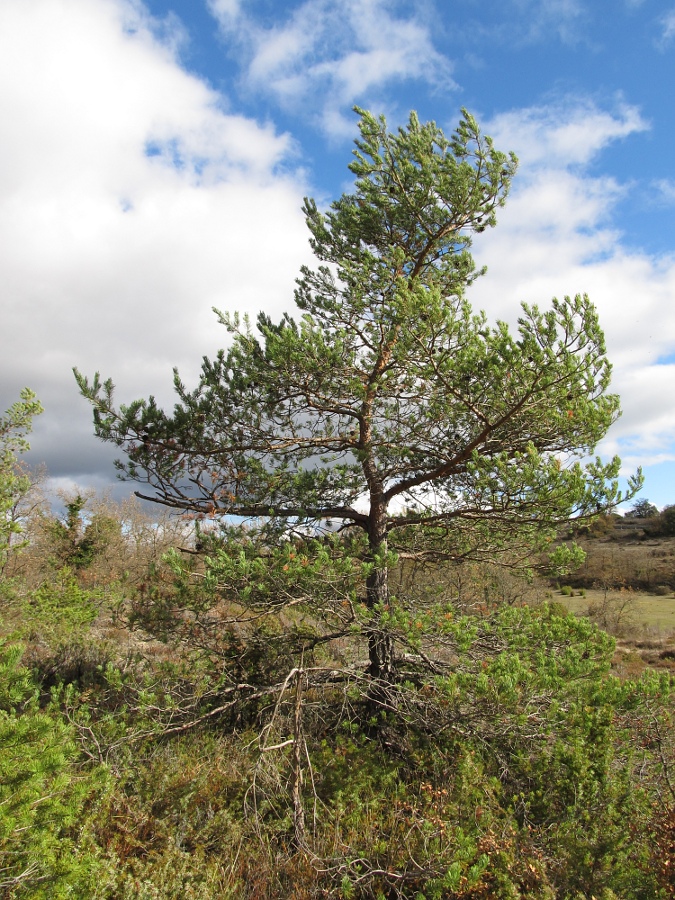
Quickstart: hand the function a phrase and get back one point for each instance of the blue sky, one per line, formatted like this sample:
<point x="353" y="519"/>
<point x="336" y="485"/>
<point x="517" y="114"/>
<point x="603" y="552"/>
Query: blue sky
<point x="155" y="155"/>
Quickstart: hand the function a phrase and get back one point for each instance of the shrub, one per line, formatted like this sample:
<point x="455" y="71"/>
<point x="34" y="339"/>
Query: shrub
<point x="665" y="522"/>
<point x="42" y="795"/>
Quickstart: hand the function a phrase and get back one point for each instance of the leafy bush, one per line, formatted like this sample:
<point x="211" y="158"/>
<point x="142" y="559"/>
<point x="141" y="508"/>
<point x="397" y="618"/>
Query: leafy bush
<point x="664" y="523"/>
<point x="42" y="795"/>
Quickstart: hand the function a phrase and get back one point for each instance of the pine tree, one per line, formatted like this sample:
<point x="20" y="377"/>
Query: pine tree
<point x="389" y="409"/>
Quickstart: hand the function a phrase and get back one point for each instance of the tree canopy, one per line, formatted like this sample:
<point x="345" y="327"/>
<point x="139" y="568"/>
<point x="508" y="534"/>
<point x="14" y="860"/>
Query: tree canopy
<point x="643" y="509"/>
<point x="389" y="406"/>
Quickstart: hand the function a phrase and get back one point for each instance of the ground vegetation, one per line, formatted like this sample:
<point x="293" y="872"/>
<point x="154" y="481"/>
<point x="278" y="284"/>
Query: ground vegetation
<point x="132" y="768"/>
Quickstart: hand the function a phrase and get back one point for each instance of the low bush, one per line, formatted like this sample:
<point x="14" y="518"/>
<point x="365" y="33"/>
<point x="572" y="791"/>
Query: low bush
<point x="44" y="852"/>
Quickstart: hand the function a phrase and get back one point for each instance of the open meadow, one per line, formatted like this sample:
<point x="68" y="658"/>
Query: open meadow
<point x="627" y="612"/>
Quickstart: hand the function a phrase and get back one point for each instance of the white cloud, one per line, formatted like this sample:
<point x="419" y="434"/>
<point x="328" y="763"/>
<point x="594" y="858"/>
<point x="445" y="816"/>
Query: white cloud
<point x="131" y="201"/>
<point x="334" y="53"/>
<point x="226" y="10"/>
<point x="564" y="133"/>
<point x="555" y="237"/>
<point x="665" y="191"/>
<point x="667" y="24"/>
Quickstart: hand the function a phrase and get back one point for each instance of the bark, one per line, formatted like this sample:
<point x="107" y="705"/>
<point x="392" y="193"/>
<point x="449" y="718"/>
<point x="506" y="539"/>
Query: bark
<point x="380" y="642"/>
<point x="296" y="774"/>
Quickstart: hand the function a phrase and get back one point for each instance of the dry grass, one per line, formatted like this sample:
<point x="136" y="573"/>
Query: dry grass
<point x="629" y="560"/>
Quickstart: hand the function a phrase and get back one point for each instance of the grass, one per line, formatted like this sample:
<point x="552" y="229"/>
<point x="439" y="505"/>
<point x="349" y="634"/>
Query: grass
<point x="646" y="611"/>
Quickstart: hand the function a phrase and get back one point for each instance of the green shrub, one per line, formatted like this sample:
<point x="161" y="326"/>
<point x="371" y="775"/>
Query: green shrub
<point x="42" y="794"/>
<point x="59" y="608"/>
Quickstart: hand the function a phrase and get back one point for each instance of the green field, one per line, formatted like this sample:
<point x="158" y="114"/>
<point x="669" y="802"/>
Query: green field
<point x="655" y="615"/>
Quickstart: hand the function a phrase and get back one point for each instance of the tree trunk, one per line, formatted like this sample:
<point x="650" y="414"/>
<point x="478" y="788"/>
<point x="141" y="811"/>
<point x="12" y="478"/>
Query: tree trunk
<point x="296" y="776"/>
<point x="380" y="642"/>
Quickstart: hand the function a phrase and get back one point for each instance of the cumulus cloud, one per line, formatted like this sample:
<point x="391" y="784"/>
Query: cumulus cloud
<point x="555" y="237"/>
<point x="329" y="54"/>
<point x="131" y="202"/>
<point x="565" y="133"/>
